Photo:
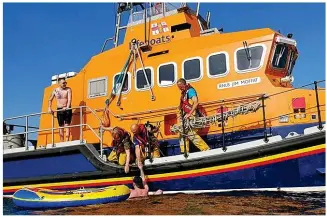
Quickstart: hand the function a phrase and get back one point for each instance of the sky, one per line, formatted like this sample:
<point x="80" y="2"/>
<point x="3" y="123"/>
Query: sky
<point x="44" y="39"/>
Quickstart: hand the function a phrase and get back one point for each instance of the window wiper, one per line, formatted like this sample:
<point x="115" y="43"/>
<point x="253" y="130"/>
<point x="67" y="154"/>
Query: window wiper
<point x="280" y="55"/>
<point x="248" y="52"/>
<point x="291" y="64"/>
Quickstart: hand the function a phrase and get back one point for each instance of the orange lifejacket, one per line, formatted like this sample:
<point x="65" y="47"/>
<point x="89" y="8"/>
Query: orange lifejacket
<point x="143" y="133"/>
<point x="186" y="106"/>
<point x="118" y="144"/>
<point x="145" y="138"/>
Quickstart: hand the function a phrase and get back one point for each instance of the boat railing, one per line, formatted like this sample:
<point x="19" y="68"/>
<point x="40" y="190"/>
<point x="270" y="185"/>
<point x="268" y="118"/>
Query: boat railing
<point x="263" y="99"/>
<point x="52" y="129"/>
<point x="222" y="104"/>
<point x="168" y="110"/>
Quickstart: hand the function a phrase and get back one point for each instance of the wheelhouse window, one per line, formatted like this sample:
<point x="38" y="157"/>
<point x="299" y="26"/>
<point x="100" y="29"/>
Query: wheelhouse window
<point x="192" y="69"/>
<point x="117" y="82"/>
<point x="292" y="61"/>
<point x="97" y="87"/>
<point x="217" y="64"/>
<point x="280" y="56"/>
<point x="167" y="74"/>
<point x="141" y="82"/>
<point x="250" y="58"/>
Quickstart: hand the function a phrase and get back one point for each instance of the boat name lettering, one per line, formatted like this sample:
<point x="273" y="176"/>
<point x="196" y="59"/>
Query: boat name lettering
<point x="156" y="41"/>
<point x="243" y="82"/>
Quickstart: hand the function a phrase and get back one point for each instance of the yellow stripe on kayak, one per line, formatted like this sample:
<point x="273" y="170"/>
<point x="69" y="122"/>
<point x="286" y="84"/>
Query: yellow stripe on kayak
<point x="113" y="191"/>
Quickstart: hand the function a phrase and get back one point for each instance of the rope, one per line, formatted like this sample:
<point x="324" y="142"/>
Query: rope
<point x="135" y="48"/>
<point x="119" y="80"/>
<point x="121" y="75"/>
<point x="278" y="93"/>
<point x="123" y="79"/>
<point x="206" y="121"/>
<point x="267" y="96"/>
<point x="197" y="122"/>
<point x="258" y="121"/>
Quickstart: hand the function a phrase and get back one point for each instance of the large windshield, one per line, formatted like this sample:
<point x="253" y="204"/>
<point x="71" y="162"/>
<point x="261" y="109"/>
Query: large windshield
<point x="153" y="9"/>
<point x="280" y="56"/>
<point x="284" y="58"/>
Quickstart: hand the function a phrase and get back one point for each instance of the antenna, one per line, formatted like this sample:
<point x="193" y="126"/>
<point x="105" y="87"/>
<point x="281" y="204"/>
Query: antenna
<point x="145" y="10"/>
<point x="118" y="19"/>
<point x="208" y="19"/>
<point x="197" y="9"/>
<point x="197" y="15"/>
<point x="122" y="7"/>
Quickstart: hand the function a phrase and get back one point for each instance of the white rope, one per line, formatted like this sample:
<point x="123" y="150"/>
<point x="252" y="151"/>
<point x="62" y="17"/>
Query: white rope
<point x="206" y="121"/>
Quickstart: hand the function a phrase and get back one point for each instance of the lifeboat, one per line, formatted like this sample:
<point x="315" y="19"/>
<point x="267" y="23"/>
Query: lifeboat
<point x="263" y="132"/>
<point x="47" y="198"/>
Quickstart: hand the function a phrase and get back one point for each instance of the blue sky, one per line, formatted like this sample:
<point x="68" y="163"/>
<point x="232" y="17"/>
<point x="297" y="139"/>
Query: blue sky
<point x="41" y="40"/>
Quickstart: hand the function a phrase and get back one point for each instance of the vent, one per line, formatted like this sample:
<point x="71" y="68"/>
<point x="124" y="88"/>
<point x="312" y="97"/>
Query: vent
<point x="97" y="87"/>
<point x="145" y="48"/>
<point x="158" y="53"/>
<point x="54" y="79"/>
<point x="313" y="116"/>
<point x="209" y="32"/>
<point x="180" y="27"/>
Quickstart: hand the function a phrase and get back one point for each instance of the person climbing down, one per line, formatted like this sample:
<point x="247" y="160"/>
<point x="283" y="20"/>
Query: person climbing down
<point x="144" y="138"/>
<point x="123" y="149"/>
<point x="141" y="188"/>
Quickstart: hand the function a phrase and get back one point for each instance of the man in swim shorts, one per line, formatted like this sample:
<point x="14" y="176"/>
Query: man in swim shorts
<point x="63" y="96"/>
<point x="141" y="188"/>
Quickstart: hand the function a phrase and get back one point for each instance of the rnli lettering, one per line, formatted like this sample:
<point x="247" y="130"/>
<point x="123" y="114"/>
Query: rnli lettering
<point x="243" y="82"/>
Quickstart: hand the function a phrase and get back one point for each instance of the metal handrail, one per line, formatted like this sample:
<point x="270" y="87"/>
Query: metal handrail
<point x="123" y="116"/>
<point x="15" y="125"/>
<point x="26" y="132"/>
<point x="41" y="113"/>
<point x="101" y="128"/>
<point x="48" y="129"/>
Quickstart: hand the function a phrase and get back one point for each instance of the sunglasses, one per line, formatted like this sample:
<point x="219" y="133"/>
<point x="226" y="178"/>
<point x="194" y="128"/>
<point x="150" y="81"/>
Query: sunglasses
<point x="64" y="83"/>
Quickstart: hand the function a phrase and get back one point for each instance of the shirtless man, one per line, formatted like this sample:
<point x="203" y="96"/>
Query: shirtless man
<point x="141" y="188"/>
<point x="63" y="96"/>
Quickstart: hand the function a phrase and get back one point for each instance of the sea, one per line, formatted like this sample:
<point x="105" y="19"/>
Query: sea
<point x="225" y="203"/>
